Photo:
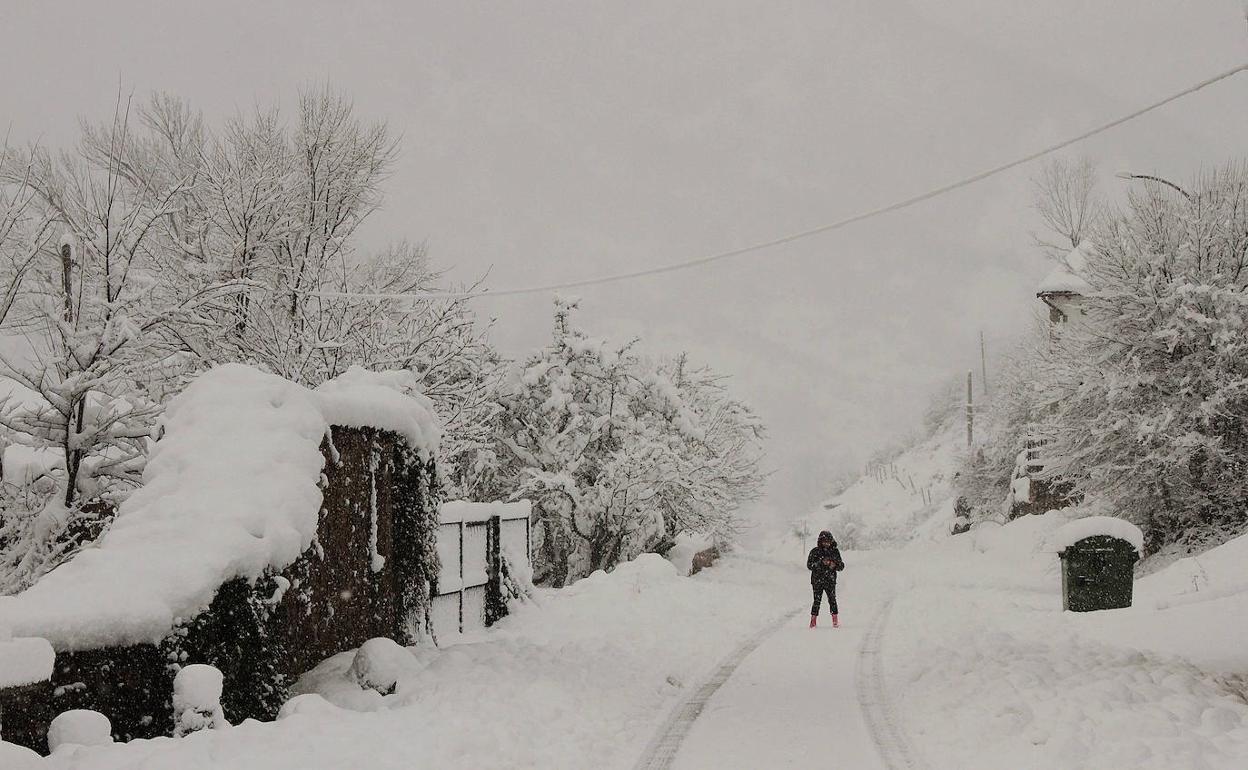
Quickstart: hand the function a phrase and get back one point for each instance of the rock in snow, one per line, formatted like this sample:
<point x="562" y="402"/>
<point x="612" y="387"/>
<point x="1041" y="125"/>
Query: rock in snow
<point x="79" y="727"/>
<point x="379" y="664"/>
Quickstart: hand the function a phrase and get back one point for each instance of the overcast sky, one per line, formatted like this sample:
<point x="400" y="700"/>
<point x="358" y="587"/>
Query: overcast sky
<point x="548" y="141"/>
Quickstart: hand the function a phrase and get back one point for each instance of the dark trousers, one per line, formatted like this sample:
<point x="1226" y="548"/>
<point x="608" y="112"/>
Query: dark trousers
<point x="819" y="590"/>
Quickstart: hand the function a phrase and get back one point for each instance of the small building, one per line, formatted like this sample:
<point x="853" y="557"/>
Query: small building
<point x="1065" y="289"/>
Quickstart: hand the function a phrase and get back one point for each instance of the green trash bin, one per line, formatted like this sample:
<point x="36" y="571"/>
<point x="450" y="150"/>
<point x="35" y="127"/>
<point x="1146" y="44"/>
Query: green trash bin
<point x="1098" y="573"/>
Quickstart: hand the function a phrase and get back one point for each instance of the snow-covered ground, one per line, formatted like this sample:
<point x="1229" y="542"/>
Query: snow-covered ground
<point x="580" y="680"/>
<point x="958" y="656"/>
<point x="953" y="653"/>
<point x="989" y="672"/>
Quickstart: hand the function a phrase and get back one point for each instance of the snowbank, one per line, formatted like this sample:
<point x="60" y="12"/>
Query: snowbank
<point x="580" y="680"/>
<point x="987" y="671"/>
<point x="13" y="757"/>
<point x="1092" y="526"/>
<point x="229" y="491"/>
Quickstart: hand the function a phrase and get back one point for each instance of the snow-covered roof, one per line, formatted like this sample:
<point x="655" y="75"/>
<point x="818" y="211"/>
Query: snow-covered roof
<point x="455" y="511"/>
<point x="1091" y="526"/>
<point x="1067" y="276"/>
<point x="229" y="491"/>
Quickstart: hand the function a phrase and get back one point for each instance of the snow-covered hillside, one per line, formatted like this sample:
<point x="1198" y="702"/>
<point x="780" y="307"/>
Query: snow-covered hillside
<point x="895" y="502"/>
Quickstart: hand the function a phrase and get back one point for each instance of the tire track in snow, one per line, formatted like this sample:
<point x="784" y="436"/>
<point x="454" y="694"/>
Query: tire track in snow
<point x="665" y="744"/>
<point x="891" y="742"/>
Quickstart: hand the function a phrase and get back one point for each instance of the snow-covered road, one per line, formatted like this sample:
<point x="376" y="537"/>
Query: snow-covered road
<point x="953" y="655"/>
<point x="807" y="698"/>
<point x="959" y="656"/>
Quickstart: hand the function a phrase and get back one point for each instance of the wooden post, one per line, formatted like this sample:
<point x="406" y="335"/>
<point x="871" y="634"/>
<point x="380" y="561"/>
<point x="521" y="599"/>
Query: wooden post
<point x="983" y="364"/>
<point x="970" y="410"/>
<point x="461" y="576"/>
<point x="495" y="607"/>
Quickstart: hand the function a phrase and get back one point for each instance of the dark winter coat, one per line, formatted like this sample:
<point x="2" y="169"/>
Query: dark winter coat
<point x="824" y="562"/>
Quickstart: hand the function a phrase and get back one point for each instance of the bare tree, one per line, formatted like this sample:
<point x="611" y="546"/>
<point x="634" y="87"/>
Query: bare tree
<point x="1067" y="202"/>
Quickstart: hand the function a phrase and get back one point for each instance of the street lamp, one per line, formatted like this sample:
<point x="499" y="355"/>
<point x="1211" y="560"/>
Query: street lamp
<point x="1149" y="178"/>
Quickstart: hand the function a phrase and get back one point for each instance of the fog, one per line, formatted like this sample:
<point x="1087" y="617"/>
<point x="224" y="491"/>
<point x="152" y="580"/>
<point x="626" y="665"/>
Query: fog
<point x="547" y="141"/>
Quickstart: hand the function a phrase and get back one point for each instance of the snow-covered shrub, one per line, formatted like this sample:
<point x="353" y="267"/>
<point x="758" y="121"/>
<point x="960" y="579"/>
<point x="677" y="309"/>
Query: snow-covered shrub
<point x="619" y="454"/>
<point x="197" y="690"/>
<point x="79" y="727"/>
<point x="516" y="577"/>
<point x="38" y="532"/>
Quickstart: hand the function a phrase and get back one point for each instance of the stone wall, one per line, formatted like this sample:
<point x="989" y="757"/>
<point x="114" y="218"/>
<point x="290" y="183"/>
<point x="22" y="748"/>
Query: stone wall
<point x="366" y="575"/>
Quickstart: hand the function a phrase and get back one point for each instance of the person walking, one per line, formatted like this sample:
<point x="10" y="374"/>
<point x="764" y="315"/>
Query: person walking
<point x="824" y="562"/>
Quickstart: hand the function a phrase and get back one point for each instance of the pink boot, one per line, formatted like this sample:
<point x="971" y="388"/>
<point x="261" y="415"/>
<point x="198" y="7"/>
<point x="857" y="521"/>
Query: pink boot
<point x="812" y="621"/>
<point x="834" y="623"/>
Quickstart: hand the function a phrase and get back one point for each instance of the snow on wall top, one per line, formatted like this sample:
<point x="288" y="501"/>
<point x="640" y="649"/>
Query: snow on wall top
<point x="229" y="491"/>
<point x="455" y="511"/>
<point x="358" y="398"/>
<point x="1067" y="276"/>
<point x="24" y="661"/>
<point x="1091" y="526"/>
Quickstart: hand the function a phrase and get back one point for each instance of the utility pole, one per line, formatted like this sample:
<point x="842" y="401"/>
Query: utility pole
<point x="983" y="363"/>
<point x="970" y="410"/>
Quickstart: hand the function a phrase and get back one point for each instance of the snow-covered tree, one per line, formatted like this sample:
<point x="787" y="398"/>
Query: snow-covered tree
<point x="618" y="454"/>
<point x="95" y="317"/>
<point x="722" y="449"/>
<point x="93" y="308"/>
<point x="1149" y="396"/>
<point x="277" y="210"/>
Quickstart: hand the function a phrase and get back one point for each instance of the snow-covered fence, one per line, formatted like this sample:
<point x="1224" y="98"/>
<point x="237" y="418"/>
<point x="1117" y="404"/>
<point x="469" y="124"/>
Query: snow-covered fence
<point x="472" y="541"/>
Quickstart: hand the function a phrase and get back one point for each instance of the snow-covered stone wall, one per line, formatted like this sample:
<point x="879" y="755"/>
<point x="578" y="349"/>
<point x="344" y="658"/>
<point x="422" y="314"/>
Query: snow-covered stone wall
<point x="231" y="490"/>
<point x="277" y="526"/>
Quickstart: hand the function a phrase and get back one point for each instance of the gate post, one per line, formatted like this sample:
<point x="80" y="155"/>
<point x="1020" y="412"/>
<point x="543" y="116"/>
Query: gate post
<point x="495" y="607"/>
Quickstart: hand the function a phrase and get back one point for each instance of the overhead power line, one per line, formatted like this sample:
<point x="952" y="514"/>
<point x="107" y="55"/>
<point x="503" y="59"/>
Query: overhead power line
<point x="754" y="247"/>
